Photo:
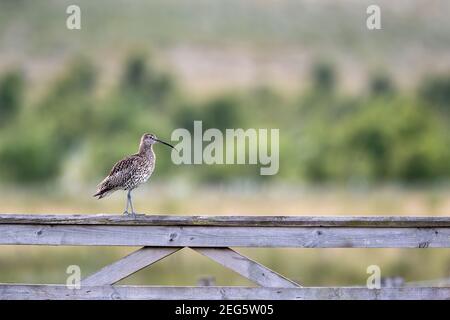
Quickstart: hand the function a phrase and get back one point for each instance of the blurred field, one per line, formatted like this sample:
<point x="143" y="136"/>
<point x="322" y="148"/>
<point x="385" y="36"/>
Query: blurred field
<point x="162" y="198"/>
<point x="364" y="122"/>
<point x="353" y="106"/>
<point x="213" y="45"/>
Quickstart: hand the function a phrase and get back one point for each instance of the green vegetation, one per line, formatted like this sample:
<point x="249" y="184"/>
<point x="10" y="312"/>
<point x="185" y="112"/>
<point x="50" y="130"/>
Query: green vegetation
<point x="383" y="135"/>
<point x="65" y="120"/>
<point x="11" y="94"/>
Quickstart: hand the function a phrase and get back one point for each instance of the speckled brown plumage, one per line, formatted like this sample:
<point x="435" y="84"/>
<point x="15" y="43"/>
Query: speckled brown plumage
<point x="127" y="174"/>
<point x="130" y="172"/>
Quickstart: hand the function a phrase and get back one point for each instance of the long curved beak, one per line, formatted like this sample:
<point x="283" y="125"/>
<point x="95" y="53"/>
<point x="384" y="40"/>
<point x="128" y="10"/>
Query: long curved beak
<point x="167" y="144"/>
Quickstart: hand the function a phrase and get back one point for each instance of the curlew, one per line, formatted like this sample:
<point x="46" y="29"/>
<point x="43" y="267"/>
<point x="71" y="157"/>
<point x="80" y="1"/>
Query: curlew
<point x="130" y="172"/>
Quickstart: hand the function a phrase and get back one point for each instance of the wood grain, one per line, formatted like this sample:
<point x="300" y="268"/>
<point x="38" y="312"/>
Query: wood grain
<point x="242" y="221"/>
<point x="60" y="292"/>
<point x="210" y="236"/>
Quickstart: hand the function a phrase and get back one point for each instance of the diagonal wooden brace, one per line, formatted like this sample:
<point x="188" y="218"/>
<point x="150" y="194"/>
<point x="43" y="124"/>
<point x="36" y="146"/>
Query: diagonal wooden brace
<point x="128" y="265"/>
<point x="247" y="268"/>
<point x="227" y="257"/>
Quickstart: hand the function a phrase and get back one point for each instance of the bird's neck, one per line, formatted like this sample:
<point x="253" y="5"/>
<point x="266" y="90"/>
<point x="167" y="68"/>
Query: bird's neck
<point x="147" y="152"/>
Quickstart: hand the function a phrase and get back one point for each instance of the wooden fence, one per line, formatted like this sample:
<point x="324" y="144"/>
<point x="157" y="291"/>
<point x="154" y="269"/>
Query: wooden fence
<point x="161" y="236"/>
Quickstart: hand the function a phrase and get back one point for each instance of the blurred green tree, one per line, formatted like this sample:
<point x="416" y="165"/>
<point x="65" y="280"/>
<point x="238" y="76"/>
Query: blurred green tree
<point x="11" y="95"/>
<point x="30" y="157"/>
<point x="381" y="84"/>
<point x="68" y="107"/>
<point x="436" y="91"/>
<point x="324" y="77"/>
<point x="145" y="82"/>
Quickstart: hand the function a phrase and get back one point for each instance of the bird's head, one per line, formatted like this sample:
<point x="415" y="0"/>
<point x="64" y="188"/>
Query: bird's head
<point x="149" y="139"/>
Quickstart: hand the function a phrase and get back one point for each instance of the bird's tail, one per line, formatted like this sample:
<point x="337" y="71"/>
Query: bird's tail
<point x="103" y="192"/>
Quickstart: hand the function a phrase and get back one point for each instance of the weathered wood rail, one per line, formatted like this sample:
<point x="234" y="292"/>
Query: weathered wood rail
<point x="161" y="236"/>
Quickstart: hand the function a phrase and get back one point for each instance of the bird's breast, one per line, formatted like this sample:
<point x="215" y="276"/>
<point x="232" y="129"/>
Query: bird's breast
<point x="147" y="171"/>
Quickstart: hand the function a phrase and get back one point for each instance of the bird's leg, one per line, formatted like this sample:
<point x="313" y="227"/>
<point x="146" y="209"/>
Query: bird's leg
<point x="128" y="201"/>
<point x="131" y="204"/>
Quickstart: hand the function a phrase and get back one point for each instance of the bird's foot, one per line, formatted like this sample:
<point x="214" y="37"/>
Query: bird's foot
<point x="132" y="214"/>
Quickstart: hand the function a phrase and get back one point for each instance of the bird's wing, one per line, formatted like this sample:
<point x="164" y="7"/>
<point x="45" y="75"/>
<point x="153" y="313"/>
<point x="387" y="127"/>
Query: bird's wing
<point x="121" y="172"/>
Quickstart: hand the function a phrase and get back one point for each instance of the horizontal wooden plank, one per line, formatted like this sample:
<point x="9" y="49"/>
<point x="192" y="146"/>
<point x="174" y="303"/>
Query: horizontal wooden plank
<point x="167" y="236"/>
<point x="242" y="221"/>
<point x="61" y="292"/>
